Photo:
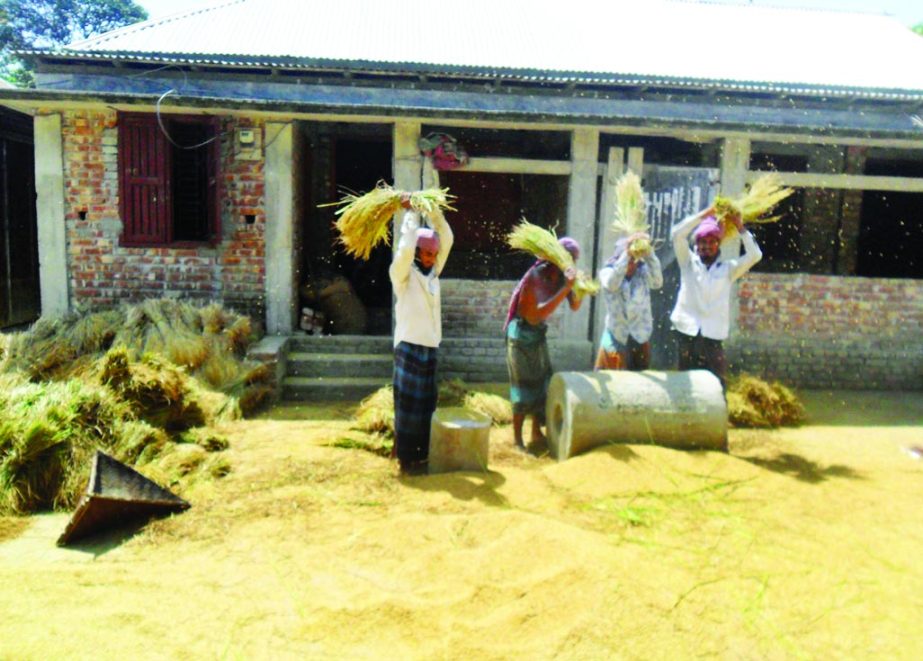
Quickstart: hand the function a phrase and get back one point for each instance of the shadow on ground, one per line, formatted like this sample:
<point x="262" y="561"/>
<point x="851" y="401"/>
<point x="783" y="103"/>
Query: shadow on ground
<point x="463" y="486"/>
<point x="803" y="469"/>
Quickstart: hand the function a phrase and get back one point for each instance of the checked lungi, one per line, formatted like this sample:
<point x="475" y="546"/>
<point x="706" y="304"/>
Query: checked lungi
<point x="529" y="366"/>
<point x="702" y="353"/>
<point x="415" y="394"/>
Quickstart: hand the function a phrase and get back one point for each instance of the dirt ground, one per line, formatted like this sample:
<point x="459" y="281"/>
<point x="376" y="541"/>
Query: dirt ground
<point x="801" y="543"/>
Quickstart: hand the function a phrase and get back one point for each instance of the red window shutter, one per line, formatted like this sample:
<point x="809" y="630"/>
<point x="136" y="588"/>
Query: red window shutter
<point x="144" y="184"/>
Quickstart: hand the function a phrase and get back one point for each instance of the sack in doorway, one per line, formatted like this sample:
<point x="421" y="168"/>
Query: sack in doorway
<point x="338" y="302"/>
<point x="444" y="150"/>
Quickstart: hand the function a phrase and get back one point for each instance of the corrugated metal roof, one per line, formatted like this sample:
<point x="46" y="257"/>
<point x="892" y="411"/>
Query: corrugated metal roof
<point x="651" y="42"/>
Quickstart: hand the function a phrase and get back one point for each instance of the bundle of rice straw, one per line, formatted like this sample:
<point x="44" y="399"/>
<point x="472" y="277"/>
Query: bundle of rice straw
<point x="631" y="214"/>
<point x="497" y="408"/>
<point x="543" y="244"/>
<point x="759" y="199"/>
<point x="363" y="220"/>
<point x="376" y="412"/>
<point x="753" y="402"/>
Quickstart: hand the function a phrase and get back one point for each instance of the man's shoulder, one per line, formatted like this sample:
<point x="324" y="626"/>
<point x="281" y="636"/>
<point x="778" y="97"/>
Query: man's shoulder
<point x="545" y="271"/>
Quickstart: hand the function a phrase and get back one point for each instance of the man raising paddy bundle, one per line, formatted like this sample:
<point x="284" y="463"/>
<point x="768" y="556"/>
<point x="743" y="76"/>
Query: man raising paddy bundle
<point x="627" y="279"/>
<point x="420" y="256"/>
<point x="542" y="289"/>
<point x="701" y="316"/>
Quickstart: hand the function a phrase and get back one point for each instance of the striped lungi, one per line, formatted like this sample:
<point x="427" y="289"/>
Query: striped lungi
<point x="415" y="394"/>
<point x="529" y="367"/>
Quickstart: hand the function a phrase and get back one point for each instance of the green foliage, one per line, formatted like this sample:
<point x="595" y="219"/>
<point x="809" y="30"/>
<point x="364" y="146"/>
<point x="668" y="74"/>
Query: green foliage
<point x="29" y="24"/>
<point x="918" y="28"/>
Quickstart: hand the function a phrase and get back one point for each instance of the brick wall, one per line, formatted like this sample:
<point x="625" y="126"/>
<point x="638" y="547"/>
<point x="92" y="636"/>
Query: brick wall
<point x="477" y="308"/>
<point x="474" y="349"/>
<point x="102" y="273"/>
<point x="826" y="331"/>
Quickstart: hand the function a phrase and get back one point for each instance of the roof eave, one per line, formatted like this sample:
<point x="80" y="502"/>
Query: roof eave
<point x="575" y="78"/>
<point x="36" y="100"/>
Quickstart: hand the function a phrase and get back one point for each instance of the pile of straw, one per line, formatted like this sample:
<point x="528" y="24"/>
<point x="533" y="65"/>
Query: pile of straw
<point x="364" y="220"/>
<point x="543" y="244"/>
<point x="375" y="414"/>
<point x="760" y="198"/>
<point x="753" y="402"/>
<point x="631" y="214"/>
<point x="132" y="382"/>
<point x="157" y="392"/>
<point x="50" y="431"/>
<point x="208" y="343"/>
<point x="498" y="409"/>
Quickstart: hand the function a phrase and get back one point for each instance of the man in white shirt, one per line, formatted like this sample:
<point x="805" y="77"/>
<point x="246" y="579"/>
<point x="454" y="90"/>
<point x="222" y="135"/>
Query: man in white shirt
<point x="420" y="256"/>
<point x="701" y="316"/>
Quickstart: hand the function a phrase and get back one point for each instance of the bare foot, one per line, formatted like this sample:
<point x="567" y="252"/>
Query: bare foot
<point x="519" y="446"/>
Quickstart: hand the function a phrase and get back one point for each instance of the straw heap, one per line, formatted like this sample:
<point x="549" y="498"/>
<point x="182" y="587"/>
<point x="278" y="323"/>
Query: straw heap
<point x="759" y="199"/>
<point x="753" y="402"/>
<point x="631" y="214"/>
<point x="364" y="220"/>
<point x="375" y="414"/>
<point x="543" y="244"/>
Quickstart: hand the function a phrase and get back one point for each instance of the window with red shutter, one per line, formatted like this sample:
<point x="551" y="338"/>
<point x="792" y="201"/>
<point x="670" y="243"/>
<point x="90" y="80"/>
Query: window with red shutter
<point x="168" y="179"/>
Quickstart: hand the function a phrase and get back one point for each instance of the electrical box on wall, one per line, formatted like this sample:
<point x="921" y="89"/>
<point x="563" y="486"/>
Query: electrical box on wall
<point x="249" y="144"/>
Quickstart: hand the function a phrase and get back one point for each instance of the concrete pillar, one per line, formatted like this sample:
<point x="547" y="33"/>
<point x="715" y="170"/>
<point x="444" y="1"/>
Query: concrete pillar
<point x="407" y="170"/>
<point x="281" y="269"/>
<point x="735" y="163"/>
<point x="605" y="237"/>
<point x="52" y="234"/>
<point x="675" y="409"/>
<point x="636" y="161"/>
<point x="407" y="167"/>
<point x="581" y="218"/>
<point x="850" y="216"/>
<point x="820" y="220"/>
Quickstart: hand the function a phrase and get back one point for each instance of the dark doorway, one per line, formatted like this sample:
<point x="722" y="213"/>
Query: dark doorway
<point x="779" y="241"/>
<point x="891" y="229"/>
<point x="354" y="294"/>
<point x="360" y="165"/>
<point x="20" y="296"/>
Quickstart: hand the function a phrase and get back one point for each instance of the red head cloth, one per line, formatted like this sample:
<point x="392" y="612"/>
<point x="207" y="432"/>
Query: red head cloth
<point x="428" y="239"/>
<point x="708" y="228"/>
<point x="571" y="246"/>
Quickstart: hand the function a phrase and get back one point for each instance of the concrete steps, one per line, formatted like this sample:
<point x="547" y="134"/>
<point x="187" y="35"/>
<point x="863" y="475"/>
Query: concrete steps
<point x="336" y="368"/>
<point x="349" y="367"/>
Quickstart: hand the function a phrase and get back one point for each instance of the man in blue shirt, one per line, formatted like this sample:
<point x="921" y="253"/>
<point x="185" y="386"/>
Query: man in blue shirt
<point x="627" y="280"/>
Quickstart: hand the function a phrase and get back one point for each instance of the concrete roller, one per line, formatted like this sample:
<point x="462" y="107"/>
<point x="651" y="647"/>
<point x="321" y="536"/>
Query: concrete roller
<point x="676" y="409"/>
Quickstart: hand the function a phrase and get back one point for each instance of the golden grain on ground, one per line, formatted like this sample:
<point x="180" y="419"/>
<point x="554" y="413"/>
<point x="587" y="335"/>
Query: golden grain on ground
<point x="799" y="543"/>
